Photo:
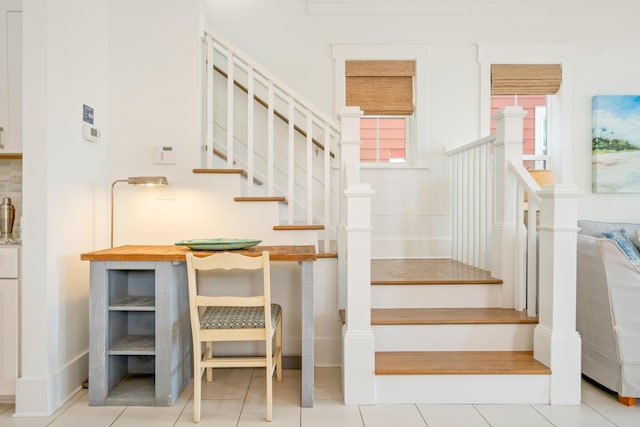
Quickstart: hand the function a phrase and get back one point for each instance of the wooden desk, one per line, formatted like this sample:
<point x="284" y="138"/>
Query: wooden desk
<point x="140" y="333"/>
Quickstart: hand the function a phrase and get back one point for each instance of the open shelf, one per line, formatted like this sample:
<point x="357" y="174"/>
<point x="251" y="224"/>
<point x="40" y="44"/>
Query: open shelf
<point x="134" y="345"/>
<point x="133" y="303"/>
<point x="133" y="390"/>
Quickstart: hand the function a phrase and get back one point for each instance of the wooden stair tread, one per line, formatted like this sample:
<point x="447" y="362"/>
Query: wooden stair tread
<point x="449" y="316"/>
<point x="327" y="255"/>
<point x="228" y="170"/>
<point x="225" y="170"/>
<point x="299" y="227"/>
<point x="458" y="363"/>
<point x="260" y="199"/>
<point x="427" y="272"/>
<point x="330" y="252"/>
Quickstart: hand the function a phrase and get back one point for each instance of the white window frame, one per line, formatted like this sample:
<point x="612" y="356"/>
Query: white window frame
<point x="407" y="137"/>
<point x="542" y="129"/>
<point x="559" y="120"/>
<point x="416" y="144"/>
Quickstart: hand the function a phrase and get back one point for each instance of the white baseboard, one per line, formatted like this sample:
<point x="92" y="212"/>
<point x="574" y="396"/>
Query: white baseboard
<point x="41" y="396"/>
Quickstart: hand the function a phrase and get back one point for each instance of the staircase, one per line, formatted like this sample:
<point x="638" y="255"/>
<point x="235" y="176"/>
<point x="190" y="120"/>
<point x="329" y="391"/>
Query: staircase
<point x="255" y="201"/>
<point x="415" y="331"/>
<point x="472" y="341"/>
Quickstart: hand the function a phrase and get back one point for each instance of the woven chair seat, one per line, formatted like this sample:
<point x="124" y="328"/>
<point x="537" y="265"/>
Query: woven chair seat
<point x="237" y="317"/>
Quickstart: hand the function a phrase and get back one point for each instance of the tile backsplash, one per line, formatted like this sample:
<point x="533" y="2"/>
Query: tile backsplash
<point x="11" y="186"/>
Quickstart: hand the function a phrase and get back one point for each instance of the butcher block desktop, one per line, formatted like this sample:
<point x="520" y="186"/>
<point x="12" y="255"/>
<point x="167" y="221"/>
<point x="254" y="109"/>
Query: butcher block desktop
<point x="177" y="253"/>
<point x="140" y="335"/>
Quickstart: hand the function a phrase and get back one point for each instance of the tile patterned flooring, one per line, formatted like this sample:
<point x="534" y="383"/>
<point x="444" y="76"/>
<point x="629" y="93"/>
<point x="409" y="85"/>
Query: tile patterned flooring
<point x="236" y="398"/>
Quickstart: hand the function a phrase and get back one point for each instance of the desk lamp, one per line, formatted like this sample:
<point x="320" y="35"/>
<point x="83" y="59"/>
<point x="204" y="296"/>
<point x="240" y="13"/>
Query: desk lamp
<point x="150" y="181"/>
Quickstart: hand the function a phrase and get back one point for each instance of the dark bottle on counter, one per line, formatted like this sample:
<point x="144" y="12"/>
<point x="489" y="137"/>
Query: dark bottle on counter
<point x="7" y="217"/>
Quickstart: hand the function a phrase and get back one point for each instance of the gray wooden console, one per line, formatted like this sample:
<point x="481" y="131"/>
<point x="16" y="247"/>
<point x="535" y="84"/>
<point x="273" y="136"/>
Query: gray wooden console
<point x="140" y="349"/>
<point x="140" y="343"/>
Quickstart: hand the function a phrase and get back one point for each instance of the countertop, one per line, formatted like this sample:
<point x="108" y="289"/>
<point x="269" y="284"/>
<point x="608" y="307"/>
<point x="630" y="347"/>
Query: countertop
<point x="177" y="253"/>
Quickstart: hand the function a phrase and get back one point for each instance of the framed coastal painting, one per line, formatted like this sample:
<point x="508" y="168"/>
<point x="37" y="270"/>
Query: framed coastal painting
<point x="615" y="144"/>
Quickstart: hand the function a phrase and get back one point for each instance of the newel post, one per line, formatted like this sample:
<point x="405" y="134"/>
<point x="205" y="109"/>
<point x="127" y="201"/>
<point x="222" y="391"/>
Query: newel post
<point x="507" y="147"/>
<point x="354" y="268"/>
<point x="349" y="154"/>
<point x="556" y="342"/>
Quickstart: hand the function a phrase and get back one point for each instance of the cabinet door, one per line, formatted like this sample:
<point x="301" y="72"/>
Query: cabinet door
<point x="11" y="76"/>
<point x="8" y="336"/>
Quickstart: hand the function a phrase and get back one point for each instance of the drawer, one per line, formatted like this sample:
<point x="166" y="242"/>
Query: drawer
<point x="9" y="265"/>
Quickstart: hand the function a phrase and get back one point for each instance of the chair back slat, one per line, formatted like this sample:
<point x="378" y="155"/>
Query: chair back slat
<point x="230" y="301"/>
<point x="230" y="261"/>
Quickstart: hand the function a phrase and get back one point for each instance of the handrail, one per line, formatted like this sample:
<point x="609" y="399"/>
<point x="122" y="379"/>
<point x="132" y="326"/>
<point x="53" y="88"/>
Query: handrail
<point x="293" y="168"/>
<point x="526" y="180"/>
<point x="477" y="143"/>
<point x="237" y="53"/>
<point x="278" y="114"/>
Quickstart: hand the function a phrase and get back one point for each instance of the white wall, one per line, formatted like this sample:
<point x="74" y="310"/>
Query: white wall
<point x="64" y="67"/>
<point x="598" y="40"/>
<point x="154" y="86"/>
<point x="138" y="64"/>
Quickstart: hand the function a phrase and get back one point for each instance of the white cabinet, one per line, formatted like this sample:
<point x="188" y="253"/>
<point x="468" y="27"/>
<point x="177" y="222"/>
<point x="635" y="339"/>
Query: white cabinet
<point x="9" y="320"/>
<point x="11" y="76"/>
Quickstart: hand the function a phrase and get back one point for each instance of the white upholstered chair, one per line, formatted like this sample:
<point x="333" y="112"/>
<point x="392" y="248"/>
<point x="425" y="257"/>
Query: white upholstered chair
<point x="232" y="318"/>
<point x="608" y="297"/>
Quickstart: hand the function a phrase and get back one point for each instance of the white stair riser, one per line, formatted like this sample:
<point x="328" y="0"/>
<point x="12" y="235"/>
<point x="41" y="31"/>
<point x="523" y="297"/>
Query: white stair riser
<point x="462" y="389"/>
<point x="507" y="337"/>
<point x="435" y="296"/>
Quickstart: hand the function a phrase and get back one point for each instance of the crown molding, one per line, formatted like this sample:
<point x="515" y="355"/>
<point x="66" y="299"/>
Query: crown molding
<point x="469" y="7"/>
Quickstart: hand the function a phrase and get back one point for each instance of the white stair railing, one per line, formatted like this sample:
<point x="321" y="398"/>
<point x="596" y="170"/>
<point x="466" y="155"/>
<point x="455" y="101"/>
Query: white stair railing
<point x="526" y="243"/>
<point x="537" y="263"/>
<point x="471" y="181"/>
<point x="488" y="232"/>
<point x="262" y="125"/>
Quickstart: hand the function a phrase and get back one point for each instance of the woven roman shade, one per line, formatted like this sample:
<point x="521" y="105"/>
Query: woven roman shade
<point x="380" y="87"/>
<point x="525" y="79"/>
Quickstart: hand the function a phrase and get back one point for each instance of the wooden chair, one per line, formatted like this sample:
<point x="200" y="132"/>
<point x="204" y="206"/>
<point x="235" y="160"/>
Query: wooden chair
<point x="232" y="318"/>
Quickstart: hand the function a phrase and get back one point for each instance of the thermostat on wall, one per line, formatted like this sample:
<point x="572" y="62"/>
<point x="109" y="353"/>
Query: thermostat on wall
<point x="164" y="155"/>
<point x="90" y="133"/>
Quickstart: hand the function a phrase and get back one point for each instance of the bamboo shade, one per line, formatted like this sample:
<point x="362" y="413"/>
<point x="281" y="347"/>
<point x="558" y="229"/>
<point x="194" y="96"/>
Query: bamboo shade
<point x="380" y="87"/>
<point x="525" y="79"/>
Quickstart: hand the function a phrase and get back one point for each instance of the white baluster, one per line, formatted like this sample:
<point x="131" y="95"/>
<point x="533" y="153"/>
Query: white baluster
<point x="291" y="163"/>
<point x="230" y="84"/>
<point x="309" y="168"/>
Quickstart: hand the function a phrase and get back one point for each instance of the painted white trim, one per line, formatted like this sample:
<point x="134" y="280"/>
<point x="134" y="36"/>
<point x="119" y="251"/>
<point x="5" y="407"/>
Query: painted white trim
<point x="403" y="247"/>
<point x="462" y="389"/>
<point x="442" y="7"/>
<point x="36" y="397"/>
<point x="478" y="337"/>
<point x="416" y="154"/>
<point x="541" y="128"/>
<point x="436" y="296"/>
<point x="41" y="396"/>
<point x="358" y="363"/>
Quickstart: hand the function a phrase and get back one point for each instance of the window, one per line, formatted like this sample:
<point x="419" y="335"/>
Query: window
<point x="383" y="89"/>
<point x="383" y="139"/>
<point x="535" y="149"/>
<point x="531" y="87"/>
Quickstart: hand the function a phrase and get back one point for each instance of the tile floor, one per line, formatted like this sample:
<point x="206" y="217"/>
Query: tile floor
<point x="236" y="398"/>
